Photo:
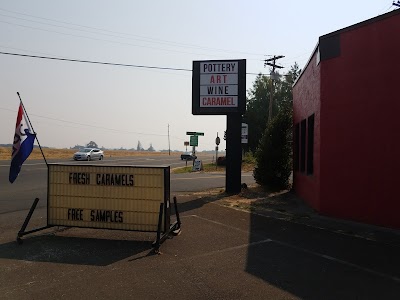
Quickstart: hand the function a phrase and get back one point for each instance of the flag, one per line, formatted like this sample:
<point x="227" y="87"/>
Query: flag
<point x="24" y="138"/>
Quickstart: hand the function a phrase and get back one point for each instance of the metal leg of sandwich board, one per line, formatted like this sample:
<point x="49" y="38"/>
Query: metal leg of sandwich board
<point x="177" y="226"/>
<point x="157" y="242"/>
<point x="22" y="231"/>
<point x="173" y="228"/>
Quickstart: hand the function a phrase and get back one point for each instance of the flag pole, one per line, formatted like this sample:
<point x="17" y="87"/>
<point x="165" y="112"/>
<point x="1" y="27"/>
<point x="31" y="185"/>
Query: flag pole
<point x="40" y="147"/>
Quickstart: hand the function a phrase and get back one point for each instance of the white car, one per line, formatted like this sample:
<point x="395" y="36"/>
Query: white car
<point x="89" y="154"/>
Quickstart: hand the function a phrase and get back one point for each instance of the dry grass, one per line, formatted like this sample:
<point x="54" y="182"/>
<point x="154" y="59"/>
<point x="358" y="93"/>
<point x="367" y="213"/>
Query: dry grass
<point x="246" y="167"/>
<point x="50" y="153"/>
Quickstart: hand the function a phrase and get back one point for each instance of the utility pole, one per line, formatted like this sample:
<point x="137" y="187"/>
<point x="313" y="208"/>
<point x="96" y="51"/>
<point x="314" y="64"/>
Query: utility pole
<point x="272" y="63"/>
<point x="169" y="146"/>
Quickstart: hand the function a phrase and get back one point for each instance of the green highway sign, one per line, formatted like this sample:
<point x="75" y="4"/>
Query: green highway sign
<point x="194" y="140"/>
<point x="195" y="133"/>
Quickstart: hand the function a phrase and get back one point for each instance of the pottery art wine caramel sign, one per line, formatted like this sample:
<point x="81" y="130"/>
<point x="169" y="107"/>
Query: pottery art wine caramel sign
<point x="219" y="87"/>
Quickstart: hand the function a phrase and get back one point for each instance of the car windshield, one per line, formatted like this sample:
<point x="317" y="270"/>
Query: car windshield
<point x="85" y="150"/>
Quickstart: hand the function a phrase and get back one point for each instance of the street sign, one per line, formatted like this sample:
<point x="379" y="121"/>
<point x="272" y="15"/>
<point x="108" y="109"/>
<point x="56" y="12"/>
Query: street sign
<point x="245" y="133"/>
<point x="194" y="140"/>
<point x="186" y="143"/>
<point x="197" y="166"/>
<point x="195" y="133"/>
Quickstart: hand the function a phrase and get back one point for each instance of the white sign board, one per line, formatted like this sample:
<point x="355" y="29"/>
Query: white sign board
<point x="245" y="133"/>
<point x="112" y="197"/>
<point x="197" y="166"/>
<point x="219" y="84"/>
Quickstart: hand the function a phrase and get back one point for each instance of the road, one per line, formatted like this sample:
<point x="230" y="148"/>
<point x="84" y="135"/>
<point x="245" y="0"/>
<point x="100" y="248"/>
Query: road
<point x="32" y="181"/>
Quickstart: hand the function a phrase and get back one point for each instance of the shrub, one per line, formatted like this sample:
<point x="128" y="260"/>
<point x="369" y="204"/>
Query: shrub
<point x="273" y="155"/>
<point x="248" y="158"/>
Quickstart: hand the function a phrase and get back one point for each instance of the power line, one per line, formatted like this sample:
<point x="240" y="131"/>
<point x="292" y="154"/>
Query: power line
<point x="111" y="64"/>
<point x="143" y="38"/>
<point x="95" y="62"/>
<point x="103" y="40"/>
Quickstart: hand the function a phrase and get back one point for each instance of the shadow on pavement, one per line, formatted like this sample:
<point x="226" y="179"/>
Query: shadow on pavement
<point x="73" y="250"/>
<point x="308" y="258"/>
<point x="185" y="205"/>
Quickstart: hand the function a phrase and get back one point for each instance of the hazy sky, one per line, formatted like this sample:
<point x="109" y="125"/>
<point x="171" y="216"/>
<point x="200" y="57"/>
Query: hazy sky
<point x="74" y="103"/>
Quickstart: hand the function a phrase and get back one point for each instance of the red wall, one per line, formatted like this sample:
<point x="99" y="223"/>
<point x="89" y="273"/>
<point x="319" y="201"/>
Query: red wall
<point x="360" y="106"/>
<point x="306" y="101"/>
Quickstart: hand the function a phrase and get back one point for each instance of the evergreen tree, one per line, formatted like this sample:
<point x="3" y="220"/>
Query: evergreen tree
<point x="274" y="154"/>
<point x="139" y="146"/>
<point x="258" y="98"/>
<point x="92" y="144"/>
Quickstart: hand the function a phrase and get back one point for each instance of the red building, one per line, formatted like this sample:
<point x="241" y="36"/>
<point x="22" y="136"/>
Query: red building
<point x="347" y="124"/>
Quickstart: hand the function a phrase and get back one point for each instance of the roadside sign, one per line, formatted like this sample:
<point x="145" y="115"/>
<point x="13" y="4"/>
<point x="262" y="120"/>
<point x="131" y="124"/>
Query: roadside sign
<point x="219" y="87"/>
<point x="197" y="166"/>
<point x="108" y="197"/>
<point x="186" y="143"/>
<point x="245" y="133"/>
<point x="194" y="140"/>
<point x="195" y="133"/>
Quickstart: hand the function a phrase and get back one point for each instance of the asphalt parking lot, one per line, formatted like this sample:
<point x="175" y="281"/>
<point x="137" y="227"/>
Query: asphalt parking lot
<point x="222" y="253"/>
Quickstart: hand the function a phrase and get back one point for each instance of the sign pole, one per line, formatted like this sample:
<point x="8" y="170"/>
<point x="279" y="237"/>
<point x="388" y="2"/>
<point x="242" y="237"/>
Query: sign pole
<point x="233" y="180"/>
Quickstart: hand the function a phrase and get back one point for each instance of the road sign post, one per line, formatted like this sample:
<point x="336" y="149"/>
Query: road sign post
<point x="217" y="142"/>
<point x="194" y="141"/>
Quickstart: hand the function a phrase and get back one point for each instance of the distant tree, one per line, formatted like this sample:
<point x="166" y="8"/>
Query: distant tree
<point x="151" y="148"/>
<point x="92" y="144"/>
<point x="139" y="146"/>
